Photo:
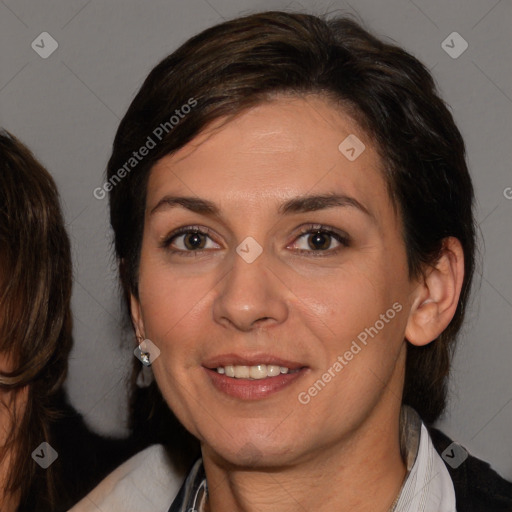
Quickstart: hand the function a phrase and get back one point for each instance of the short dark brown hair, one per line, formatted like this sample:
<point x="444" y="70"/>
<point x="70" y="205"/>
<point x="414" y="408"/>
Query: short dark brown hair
<point x="35" y="293"/>
<point x="249" y="60"/>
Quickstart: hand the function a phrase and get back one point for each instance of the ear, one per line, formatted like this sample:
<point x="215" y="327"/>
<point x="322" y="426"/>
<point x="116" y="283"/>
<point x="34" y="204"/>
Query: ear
<point x="136" y="314"/>
<point x="437" y="295"/>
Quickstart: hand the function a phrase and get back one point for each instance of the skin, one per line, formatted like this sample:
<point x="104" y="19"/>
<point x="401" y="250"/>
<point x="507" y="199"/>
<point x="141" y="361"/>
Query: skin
<point x="340" y="451"/>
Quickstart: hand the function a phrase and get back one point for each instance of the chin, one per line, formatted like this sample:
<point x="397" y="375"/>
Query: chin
<point x="262" y="453"/>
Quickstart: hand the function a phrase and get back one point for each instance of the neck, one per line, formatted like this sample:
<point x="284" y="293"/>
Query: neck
<point x="362" y="470"/>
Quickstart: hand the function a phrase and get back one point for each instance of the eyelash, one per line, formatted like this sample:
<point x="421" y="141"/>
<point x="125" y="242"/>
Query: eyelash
<point x="343" y="239"/>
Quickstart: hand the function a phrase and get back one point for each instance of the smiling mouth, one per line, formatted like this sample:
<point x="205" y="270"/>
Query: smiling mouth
<point x="254" y="382"/>
<point x="255" y="372"/>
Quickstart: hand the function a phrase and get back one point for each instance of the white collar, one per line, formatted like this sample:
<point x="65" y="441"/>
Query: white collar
<point x="428" y="486"/>
<point x="145" y="483"/>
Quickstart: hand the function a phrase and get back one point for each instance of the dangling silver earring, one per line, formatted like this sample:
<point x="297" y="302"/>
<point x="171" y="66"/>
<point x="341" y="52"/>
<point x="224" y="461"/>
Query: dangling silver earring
<point x="145" y="377"/>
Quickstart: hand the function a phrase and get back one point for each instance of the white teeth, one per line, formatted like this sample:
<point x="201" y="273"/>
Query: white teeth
<point x="242" y="372"/>
<point x="259" y="371"/>
<point x="273" y="370"/>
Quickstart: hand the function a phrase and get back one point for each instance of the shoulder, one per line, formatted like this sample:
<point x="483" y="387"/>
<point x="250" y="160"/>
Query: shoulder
<point x="478" y="487"/>
<point x="146" y="482"/>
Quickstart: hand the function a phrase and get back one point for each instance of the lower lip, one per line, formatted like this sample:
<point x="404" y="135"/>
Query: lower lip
<point x="252" y="389"/>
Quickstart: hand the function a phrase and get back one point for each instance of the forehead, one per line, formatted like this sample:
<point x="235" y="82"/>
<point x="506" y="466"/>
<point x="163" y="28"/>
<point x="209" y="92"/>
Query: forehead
<point x="278" y="149"/>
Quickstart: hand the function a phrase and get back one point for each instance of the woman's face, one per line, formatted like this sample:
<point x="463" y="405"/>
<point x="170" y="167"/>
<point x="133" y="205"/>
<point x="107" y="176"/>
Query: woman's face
<point x="262" y="286"/>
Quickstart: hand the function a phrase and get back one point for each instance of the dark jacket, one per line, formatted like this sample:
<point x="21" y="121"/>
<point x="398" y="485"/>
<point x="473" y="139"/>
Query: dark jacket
<point x="478" y="488"/>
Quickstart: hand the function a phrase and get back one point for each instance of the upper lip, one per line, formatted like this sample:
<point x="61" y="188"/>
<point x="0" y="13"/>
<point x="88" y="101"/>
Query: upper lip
<point x="249" y="360"/>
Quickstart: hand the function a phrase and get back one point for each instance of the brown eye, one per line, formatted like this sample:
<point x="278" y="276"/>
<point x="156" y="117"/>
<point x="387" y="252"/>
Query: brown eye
<point x="194" y="241"/>
<point x="315" y="240"/>
<point x="189" y="240"/>
<point x="319" y="241"/>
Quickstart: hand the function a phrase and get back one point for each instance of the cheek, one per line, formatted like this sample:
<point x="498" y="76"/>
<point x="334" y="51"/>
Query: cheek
<point x="359" y="316"/>
<point x="345" y="302"/>
<point x="168" y="300"/>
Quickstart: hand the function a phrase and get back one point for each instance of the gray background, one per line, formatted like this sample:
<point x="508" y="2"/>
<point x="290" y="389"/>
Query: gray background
<point x="67" y="108"/>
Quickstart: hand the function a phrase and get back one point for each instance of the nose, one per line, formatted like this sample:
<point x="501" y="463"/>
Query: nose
<point x="250" y="296"/>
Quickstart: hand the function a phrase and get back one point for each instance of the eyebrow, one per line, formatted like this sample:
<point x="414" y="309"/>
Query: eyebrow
<point x="301" y="204"/>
